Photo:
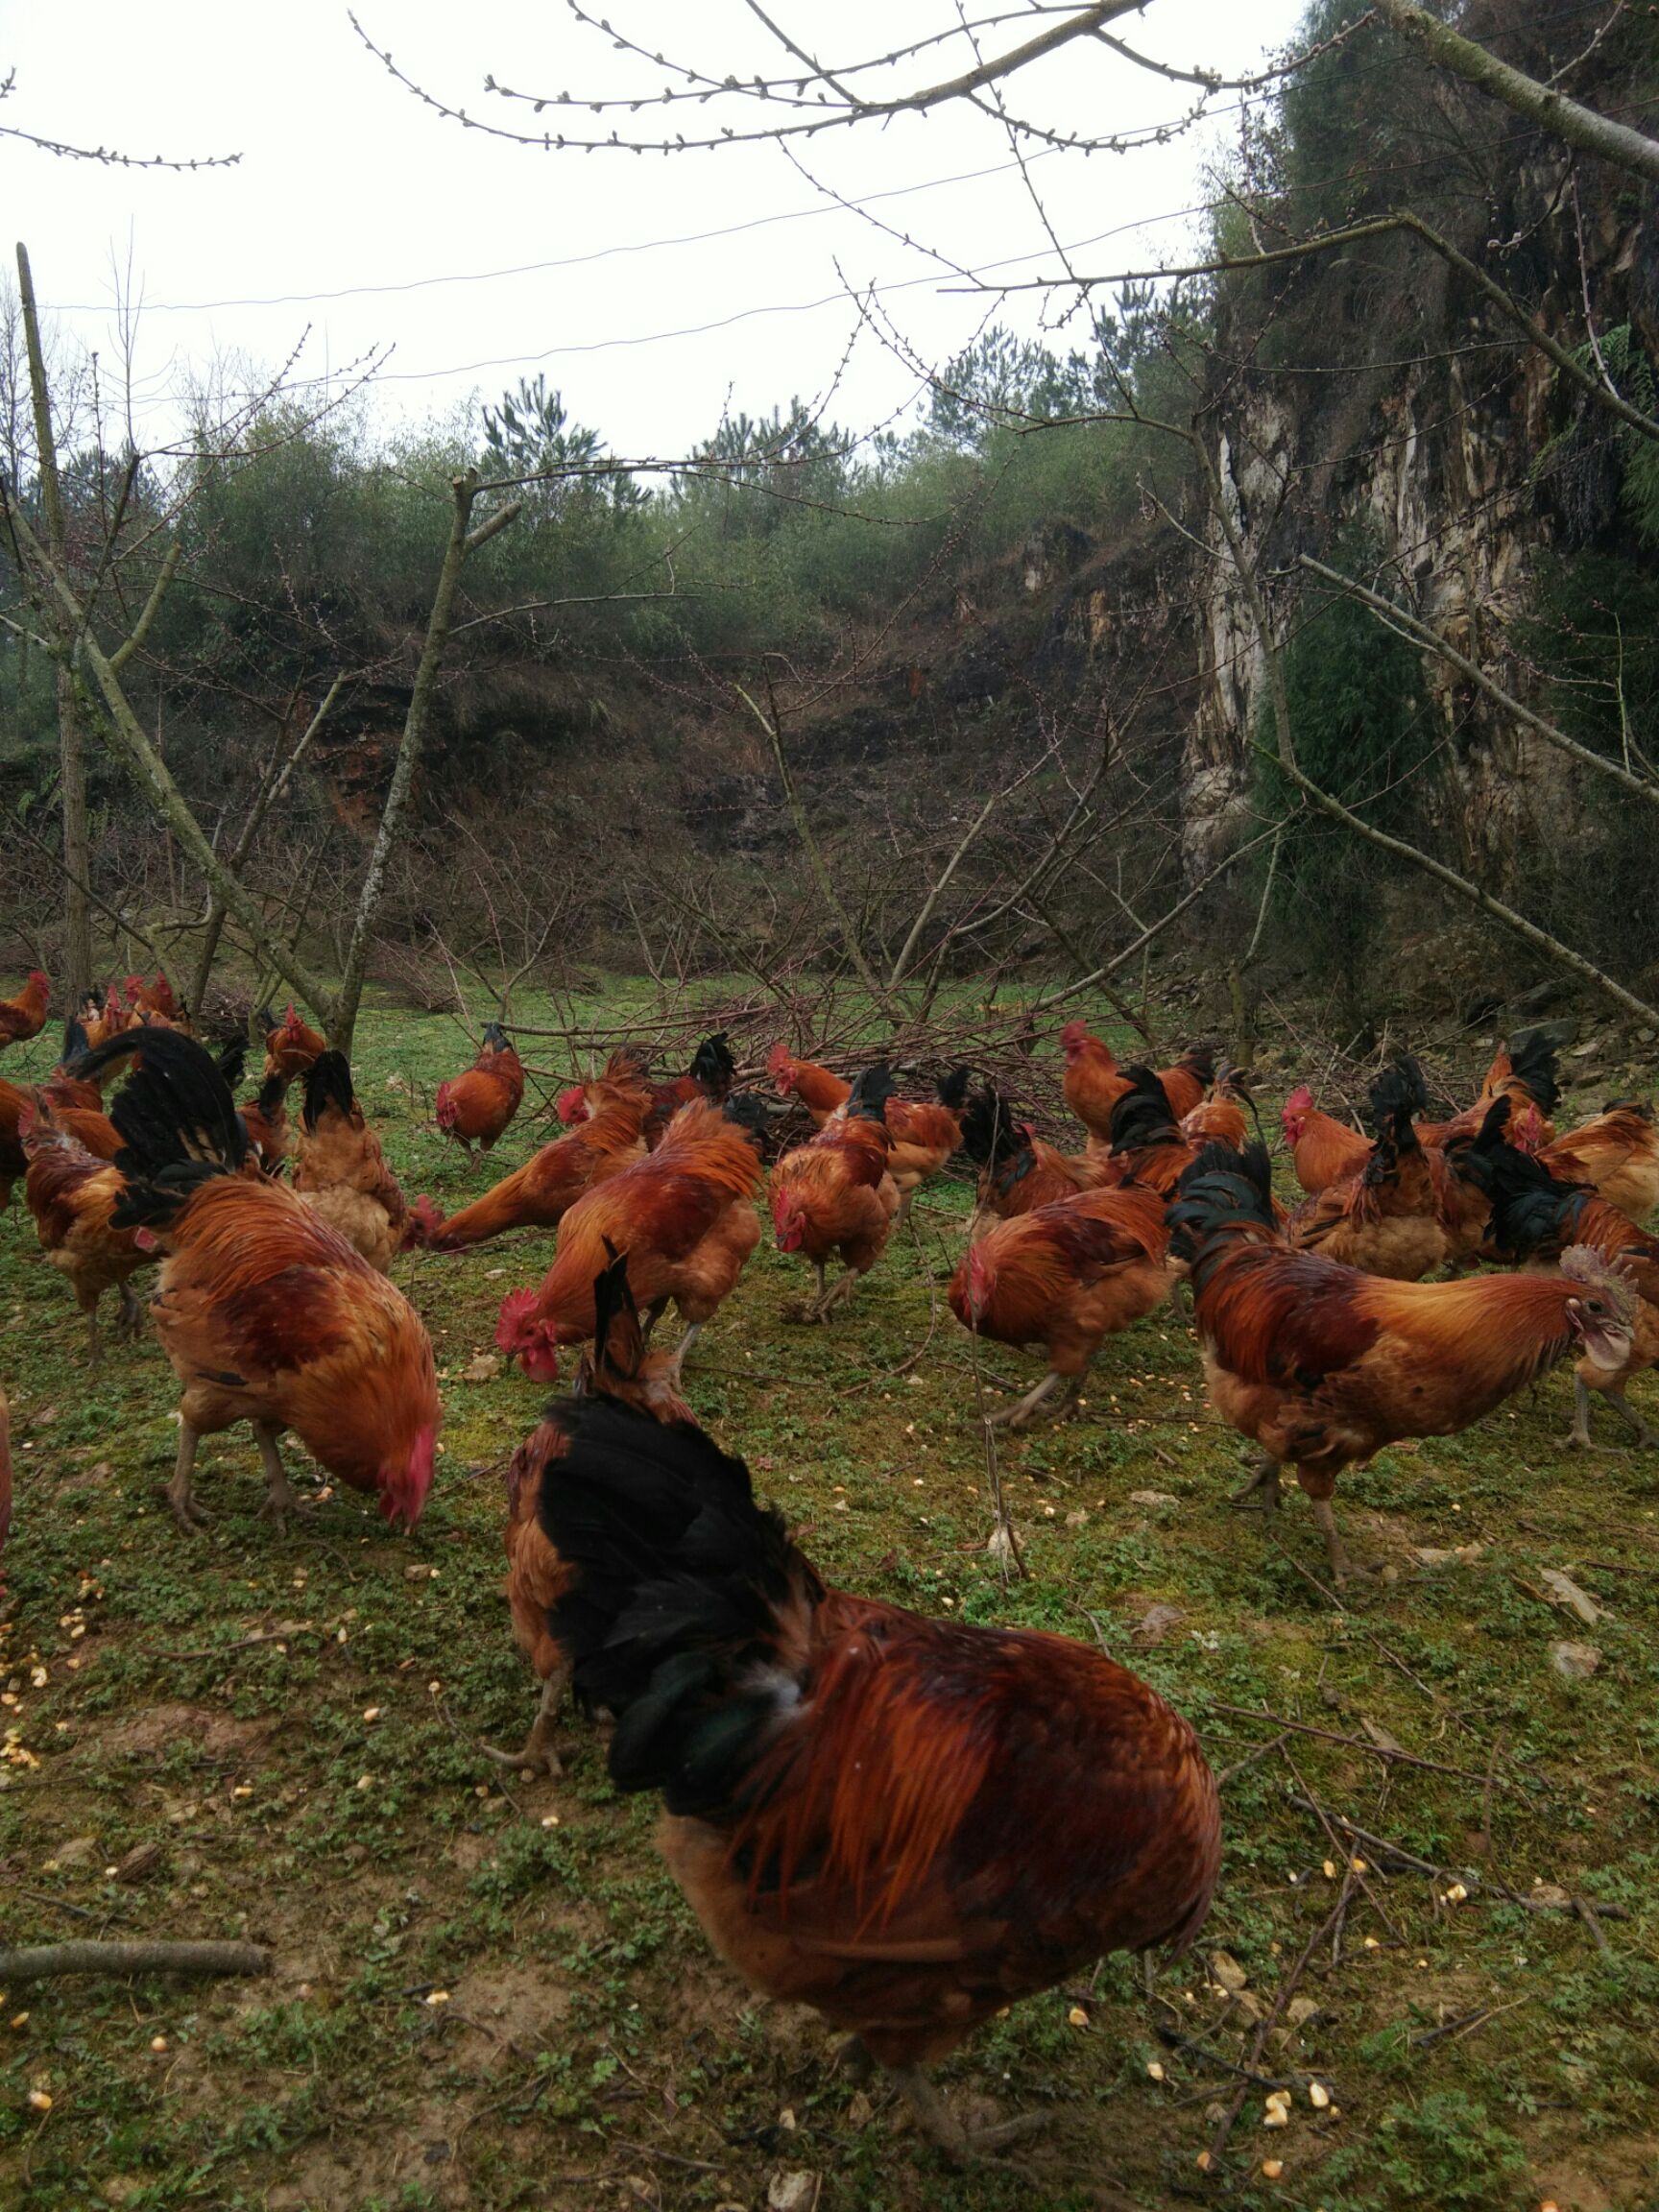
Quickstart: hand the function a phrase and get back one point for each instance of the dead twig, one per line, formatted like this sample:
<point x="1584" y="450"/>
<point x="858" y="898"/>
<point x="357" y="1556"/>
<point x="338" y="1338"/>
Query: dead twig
<point x="42" y="1961"/>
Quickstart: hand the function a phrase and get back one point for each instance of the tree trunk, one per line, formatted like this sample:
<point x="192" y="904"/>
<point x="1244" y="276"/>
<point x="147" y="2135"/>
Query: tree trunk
<point x="71" y="742"/>
<point x="464" y="490"/>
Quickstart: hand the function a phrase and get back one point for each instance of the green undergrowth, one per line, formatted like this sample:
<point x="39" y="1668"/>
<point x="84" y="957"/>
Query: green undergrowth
<point x="489" y="1997"/>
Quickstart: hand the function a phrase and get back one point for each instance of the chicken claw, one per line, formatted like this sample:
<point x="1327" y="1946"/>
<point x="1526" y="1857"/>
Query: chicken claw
<point x="936" y="2120"/>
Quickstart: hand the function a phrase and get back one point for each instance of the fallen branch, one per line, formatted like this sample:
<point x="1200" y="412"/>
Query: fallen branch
<point x="42" y="1961"/>
<point x="1354" y="1742"/>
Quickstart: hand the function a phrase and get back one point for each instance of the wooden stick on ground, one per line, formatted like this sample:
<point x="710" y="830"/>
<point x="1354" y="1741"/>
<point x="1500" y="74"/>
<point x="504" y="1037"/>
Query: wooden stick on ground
<point x="39" y="1961"/>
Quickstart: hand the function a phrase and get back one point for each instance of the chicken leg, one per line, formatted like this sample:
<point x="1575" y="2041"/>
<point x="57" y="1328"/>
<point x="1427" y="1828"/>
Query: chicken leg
<point x="1022" y="1415"/>
<point x="280" y="1497"/>
<point x="936" y="2120"/>
<point x="537" y="1749"/>
<point x="191" y="1518"/>
<point x="1265" y="1479"/>
<point x="1577" y="1437"/>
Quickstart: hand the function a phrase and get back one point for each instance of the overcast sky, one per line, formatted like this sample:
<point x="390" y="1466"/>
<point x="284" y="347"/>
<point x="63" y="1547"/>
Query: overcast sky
<point x="653" y="291"/>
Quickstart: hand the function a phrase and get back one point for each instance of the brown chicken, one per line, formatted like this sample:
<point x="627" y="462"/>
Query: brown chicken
<point x="907" y="1824"/>
<point x="25" y="1015"/>
<point x="685" y="1220"/>
<point x="835" y="1196"/>
<point x="153" y="1002"/>
<point x="1018" y="1171"/>
<point x="1534" y="1220"/>
<point x="620" y="1368"/>
<point x="1617" y="1152"/>
<point x="1523" y="1071"/>
<point x="1323" y="1366"/>
<point x="1219" y="1116"/>
<point x="1066" y="1277"/>
<point x="1093" y="1082"/>
<point x="1322" y="1150"/>
<point x="477" y="1108"/>
<point x="265" y="1118"/>
<point x="265" y="1313"/>
<point x="1147" y="1145"/>
<point x="291" y="1047"/>
<point x="1386" y="1220"/>
<point x="74" y="1195"/>
<point x="340" y="1170"/>
<point x="926" y="1133"/>
<point x="710" y="1077"/>
<point x="541" y="1194"/>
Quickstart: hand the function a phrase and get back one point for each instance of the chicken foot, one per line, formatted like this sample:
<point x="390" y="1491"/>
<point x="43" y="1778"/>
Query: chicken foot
<point x="1265" y="1479"/>
<point x="1022" y="1414"/>
<point x="280" y="1496"/>
<point x="684" y="1345"/>
<point x="537" y="1749"/>
<point x="936" y="2120"/>
<point x="129" y="1321"/>
<point x="819" y="1308"/>
<point x="1577" y="1437"/>
<point x="190" y="1517"/>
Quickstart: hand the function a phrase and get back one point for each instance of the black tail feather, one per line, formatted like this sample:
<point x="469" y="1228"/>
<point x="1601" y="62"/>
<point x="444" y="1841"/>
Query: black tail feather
<point x="1533" y="1064"/>
<point x="177" y="1120"/>
<point x="328" y="1083"/>
<point x="1221" y="1191"/>
<point x="1143" y="1115"/>
<point x="231" y="1060"/>
<point x="672" y="1612"/>
<point x="953" y="1088"/>
<point x="871" y="1089"/>
<point x="990" y="1133"/>
<point x="712" y="1065"/>
<point x="752" y="1115"/>
<point x="1533" y="1214"/>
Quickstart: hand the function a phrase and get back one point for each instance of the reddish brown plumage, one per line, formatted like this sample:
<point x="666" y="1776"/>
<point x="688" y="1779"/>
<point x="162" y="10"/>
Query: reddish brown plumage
<point x="685" y="1218"/>
<point x="72" y="1192"/>
<point x="340" y="1171"/>
<point x="1038" y="1174"/>
<point x="479" y="1107"/>
<point x="834" y="1197"/>
<point x="1068" y="1275"/>
<point x="25" y="1015"/>
<point x="1322" y="1150"/>
<point x="539" y="1195"/>
<point x="291" y="1047"/>
<point x="1618" y="1151"/>
<point x="268" y="1315"/>
<point x="1386" y="1219"/>
<point x="924" y="1133"/>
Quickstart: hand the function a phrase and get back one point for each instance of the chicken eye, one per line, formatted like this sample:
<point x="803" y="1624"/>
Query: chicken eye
<point x="1595" y="1304"/>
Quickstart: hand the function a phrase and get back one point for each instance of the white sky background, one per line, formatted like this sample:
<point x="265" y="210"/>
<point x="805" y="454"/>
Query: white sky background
<point x="346" y="181"/>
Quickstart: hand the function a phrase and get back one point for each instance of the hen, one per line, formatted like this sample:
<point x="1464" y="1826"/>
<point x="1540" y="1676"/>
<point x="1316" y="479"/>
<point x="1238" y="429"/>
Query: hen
<point x="1618" y="1151"/>
<point x="1323" y="1366"/>
<point x="290" y="1046"/>
<point x="265" y="1313"/>
<point x="907" y="1824"/>
<point x="340" y="1170"/>
<point x="835" y="1195"/>
<point x="1322" y="1150"/>
<point x="710" y="1077"/>
<point x="153" y="1001"/>
<point x="1066" y="1277"/>
<point x="1219" y="1116"/>
<point x="540" y="1194"/>
<point x="25" y="1015"/>
<point x="1385" y="1220"/>
<point x="924" y="1133"/>
<point x="619" y="1368"/>
<point x="1523" y="1071"/>
<point x="73" y="1195"/>
<point x="682" y="1217"/>
<point x="1536" y="1218"/>
<point x="479" y="1107"/>
<point x="1019" y="1171"/>
<point x="1093" y="1082"/>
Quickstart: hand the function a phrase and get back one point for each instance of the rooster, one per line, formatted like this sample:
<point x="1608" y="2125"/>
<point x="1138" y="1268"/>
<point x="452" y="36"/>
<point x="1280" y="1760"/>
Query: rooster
<point x="266" y="1313"/>
<point x="709" y="1075"/>
<point x="1218" y="1118"/>
<point x="835" y="1195"/>
<point x="1019" y="1171"/>
<point x="619" y="1368"/>
<point x="1523" y="1071"/>
<point x="1535" y="1219"/>
<point x="1064" y="1276"/>
<point x="683" y="1218"/>
<point x="25" y="1015"/>
<point x="1386" y="1219"/>
<point x="540" y="1194"/>
<point x="265" y="1118"/>
<point x="1323" y="1366"/>
<point x="340" y="1171"/>
<point x="906" y="1823"/>
<point x="1093" y="1082"/>
<point x="153" y="1002"/>
<point x="1618" y="1151"/>
<point x="1147" y="1145"/>
<point x="290" y="1046"/>
<point x="479" y="1107"/>
<point x="74" y="1197"/>
<point x="1322" y="1150"/>
<point x="924" y="1133"/>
